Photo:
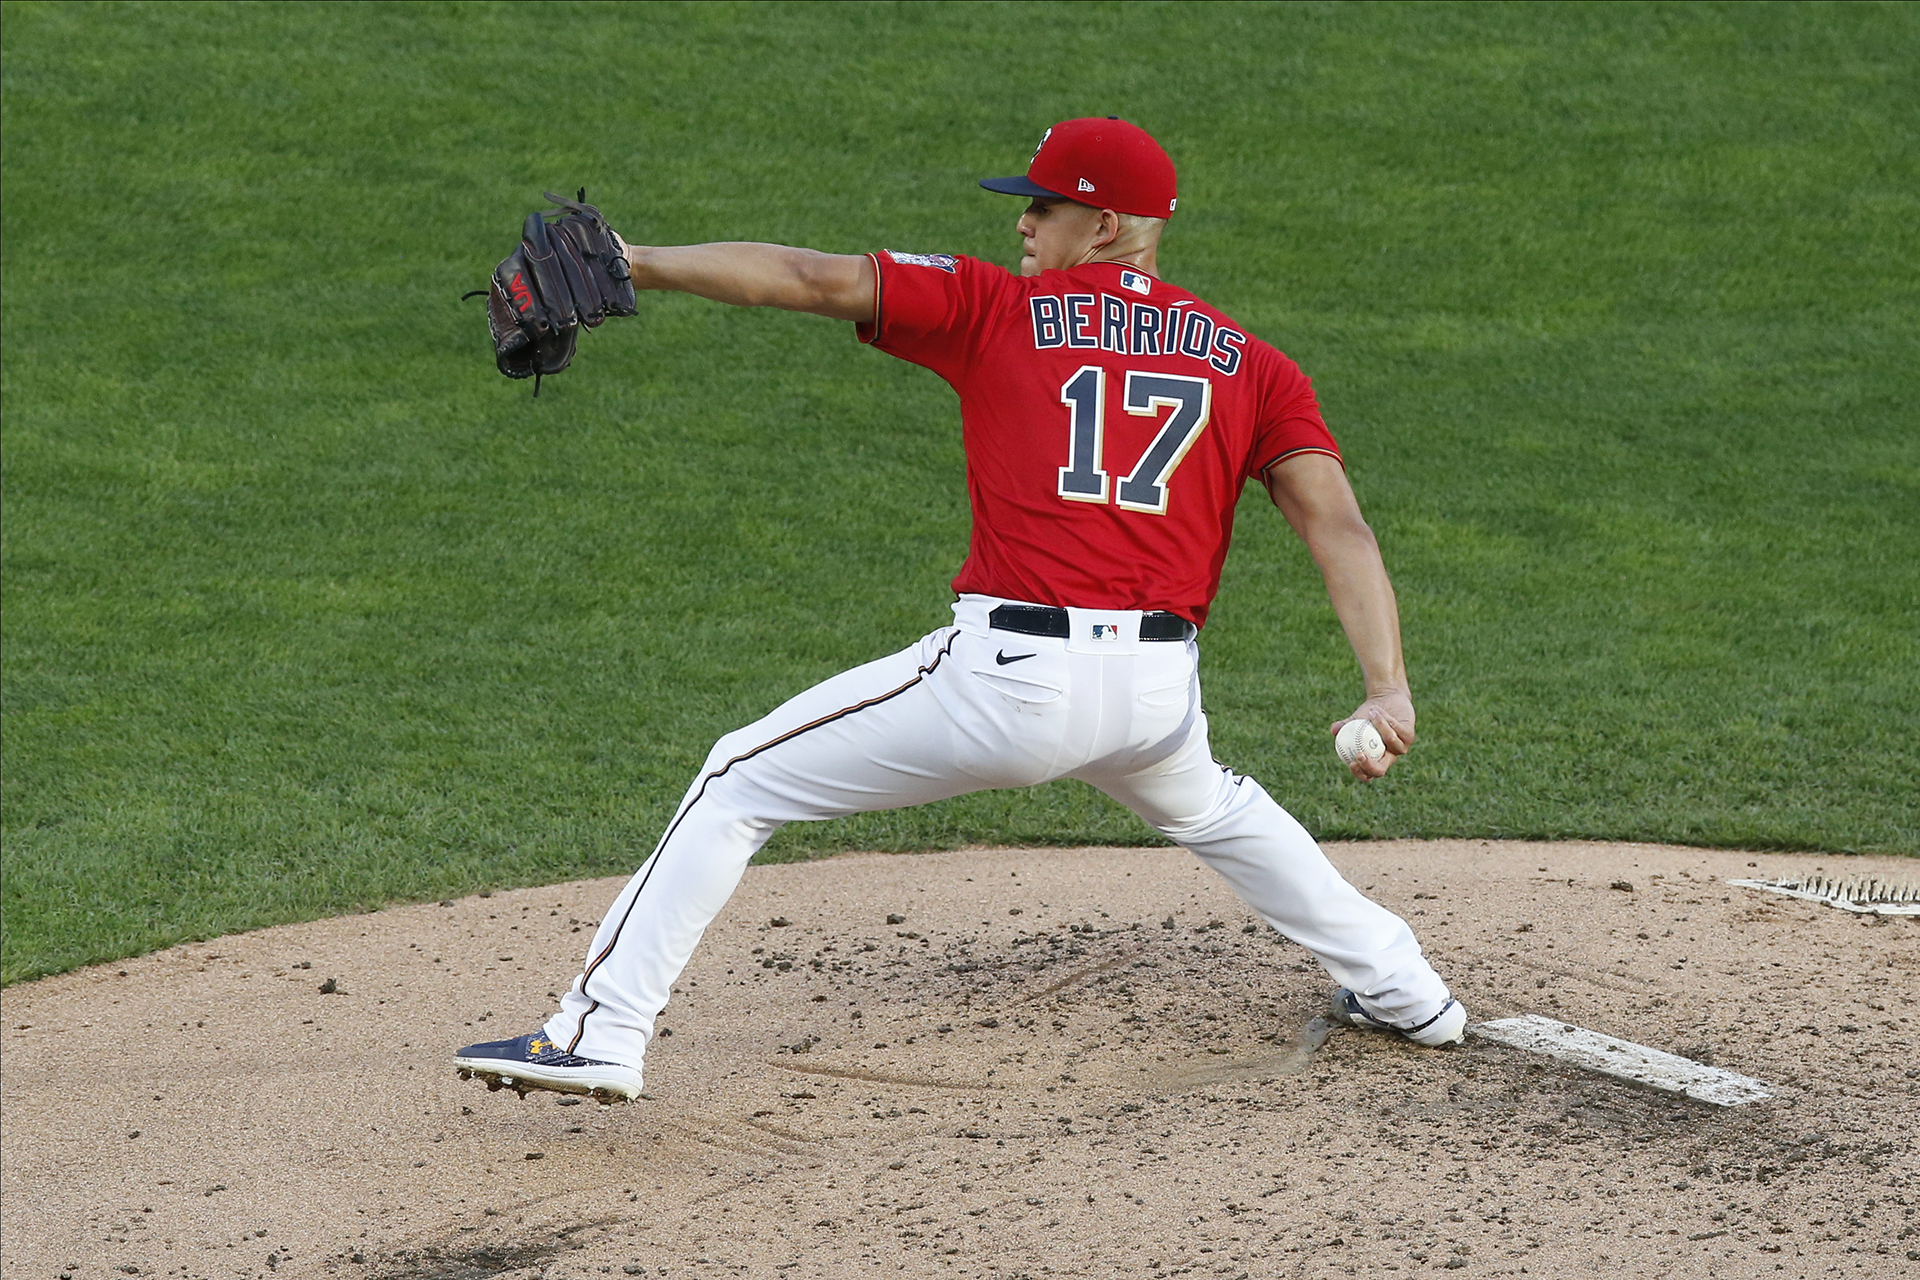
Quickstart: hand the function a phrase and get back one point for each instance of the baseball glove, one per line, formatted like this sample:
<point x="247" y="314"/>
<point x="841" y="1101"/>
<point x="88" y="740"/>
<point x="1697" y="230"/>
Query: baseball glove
<point x="564" y="274"/>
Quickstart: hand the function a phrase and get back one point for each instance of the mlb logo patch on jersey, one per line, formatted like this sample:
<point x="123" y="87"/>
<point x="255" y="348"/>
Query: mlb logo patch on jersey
<point x="1105" y="631"/>
<point x="944" y="261"/>
<point x="1135" y="281"/>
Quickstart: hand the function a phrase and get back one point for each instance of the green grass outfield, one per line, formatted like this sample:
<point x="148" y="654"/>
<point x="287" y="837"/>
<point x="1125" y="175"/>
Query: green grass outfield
<point x="306" y="609"/>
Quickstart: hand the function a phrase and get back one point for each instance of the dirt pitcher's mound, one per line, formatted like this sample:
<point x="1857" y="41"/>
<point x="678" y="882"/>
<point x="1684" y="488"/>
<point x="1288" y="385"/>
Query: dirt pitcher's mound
<point x="992" y="1063"/>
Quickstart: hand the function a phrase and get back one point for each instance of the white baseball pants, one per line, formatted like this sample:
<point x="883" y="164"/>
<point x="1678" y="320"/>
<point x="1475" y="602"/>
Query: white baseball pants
<point x="966" y="709"/>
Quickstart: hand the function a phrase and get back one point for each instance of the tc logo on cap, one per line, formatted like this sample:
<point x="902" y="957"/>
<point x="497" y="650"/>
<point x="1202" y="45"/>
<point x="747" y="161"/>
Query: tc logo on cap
<point x="1105" y="160"/>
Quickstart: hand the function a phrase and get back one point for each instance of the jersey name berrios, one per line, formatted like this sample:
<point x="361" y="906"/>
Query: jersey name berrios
<point x="1110" y="419"/>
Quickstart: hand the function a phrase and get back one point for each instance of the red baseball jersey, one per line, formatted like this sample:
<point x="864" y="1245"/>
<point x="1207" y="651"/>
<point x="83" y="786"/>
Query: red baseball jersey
<point x="1110" y="420"/>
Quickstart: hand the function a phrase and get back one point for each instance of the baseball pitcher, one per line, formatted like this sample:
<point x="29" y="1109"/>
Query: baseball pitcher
<point x="1111" y="420"/>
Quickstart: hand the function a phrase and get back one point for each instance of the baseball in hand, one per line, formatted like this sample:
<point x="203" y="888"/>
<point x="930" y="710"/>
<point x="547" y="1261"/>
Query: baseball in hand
<point x="1358" y="738"/>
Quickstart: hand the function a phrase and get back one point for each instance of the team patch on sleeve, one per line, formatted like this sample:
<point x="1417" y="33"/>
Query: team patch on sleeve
<point x="943" y="261"/>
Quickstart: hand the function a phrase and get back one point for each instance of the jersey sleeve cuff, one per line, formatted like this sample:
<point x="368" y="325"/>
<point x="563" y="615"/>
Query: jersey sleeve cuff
<point x="870" y="332"/>
<point x="1311" y="448"/>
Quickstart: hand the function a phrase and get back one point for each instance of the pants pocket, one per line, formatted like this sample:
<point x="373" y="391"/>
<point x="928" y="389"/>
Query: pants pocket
<point x="1173" y="695"/>
<point x="1023" y="693"/>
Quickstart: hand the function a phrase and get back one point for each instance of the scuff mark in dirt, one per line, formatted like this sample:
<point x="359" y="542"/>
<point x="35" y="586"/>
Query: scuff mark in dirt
<point x="475" y="1261"/>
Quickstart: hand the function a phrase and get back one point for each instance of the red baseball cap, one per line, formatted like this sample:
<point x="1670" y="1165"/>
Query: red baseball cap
<point x="1106" y="163"/>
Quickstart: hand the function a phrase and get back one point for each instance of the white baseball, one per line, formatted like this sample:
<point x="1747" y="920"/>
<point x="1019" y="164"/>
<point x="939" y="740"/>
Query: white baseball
<point x="1357" y="738"/>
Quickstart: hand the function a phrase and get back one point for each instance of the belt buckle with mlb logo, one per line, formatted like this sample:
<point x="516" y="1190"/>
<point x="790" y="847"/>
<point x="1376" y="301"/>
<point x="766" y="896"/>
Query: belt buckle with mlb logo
<point x="1106" y="631"/>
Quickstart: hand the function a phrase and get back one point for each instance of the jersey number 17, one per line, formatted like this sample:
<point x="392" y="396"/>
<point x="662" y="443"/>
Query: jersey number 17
<point x="1083" y="479"/>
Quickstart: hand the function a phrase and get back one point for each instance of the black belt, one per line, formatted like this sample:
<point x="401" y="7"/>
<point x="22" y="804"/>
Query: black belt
<point x="1045" y="620"/>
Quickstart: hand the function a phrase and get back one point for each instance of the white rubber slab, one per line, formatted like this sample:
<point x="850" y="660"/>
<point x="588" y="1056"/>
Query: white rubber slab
<point x="1862" y="897"/>
<point x="1625" y="1059"/>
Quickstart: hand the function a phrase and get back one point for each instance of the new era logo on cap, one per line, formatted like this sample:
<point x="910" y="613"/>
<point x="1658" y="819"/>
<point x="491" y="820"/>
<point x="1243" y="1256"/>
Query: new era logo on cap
<point x="1085" y="185"/>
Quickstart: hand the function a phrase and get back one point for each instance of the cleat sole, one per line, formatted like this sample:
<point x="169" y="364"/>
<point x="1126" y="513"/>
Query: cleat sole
<point x="496" y="1081"/>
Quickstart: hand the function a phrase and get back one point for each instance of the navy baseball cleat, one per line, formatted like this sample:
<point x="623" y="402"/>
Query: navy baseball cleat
<point x="1449" y="1026"/>
<point x="534" y="1062"/>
